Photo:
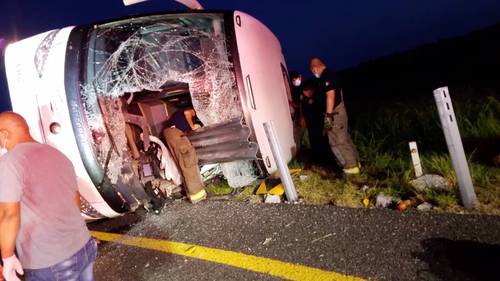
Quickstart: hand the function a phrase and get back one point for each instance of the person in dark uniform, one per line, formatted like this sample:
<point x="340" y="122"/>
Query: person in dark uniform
<point x="183" y="119"/>
<point x="296" y="79"/>
<point x="181" y="122"/>
<point x="335" y="119"/>
<point x="298" y="128"/>
<point x="312" y="107"/>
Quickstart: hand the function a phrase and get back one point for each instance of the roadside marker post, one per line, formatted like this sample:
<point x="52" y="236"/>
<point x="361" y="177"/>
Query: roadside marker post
<point x="415" y="158"/>
<point x="286" y="179"/>
<point x="455" y="146"/>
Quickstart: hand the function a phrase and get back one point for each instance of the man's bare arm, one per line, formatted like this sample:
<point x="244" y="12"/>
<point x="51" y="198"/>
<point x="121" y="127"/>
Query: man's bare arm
<point x="9" y="227"/>
<point x="330" y="100"/>
<point x="190" y="114"/>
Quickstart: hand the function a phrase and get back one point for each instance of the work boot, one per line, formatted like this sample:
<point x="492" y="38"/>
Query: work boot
<point x="352" y="171"/>
<point x="197" y="197"/>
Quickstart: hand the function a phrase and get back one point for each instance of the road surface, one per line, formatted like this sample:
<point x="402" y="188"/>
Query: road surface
<point x="297" y="242"/>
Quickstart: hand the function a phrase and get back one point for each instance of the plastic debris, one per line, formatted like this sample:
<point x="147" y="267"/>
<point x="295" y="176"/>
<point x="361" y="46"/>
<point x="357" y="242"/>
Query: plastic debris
<point x="424" y="207"/>
<point x="434" y="182"/>
<point x="321" y="238"/>
<point x="403" y="205"/>
<point x="210" y="171"/>
<point x="303" y="177"/>
<point x="383" y="201"/>
<point x="272" y="199"/>
<point x="239" y="173"/>
<point x="366" y="202"/>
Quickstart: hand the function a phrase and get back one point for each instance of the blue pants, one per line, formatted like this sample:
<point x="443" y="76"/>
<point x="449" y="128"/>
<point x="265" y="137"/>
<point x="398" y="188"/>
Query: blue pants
<point x="78" y="267"/>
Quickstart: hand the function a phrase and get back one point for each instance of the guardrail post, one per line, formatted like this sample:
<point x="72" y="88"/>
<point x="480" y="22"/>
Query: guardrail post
<point x="455" y="146"/>
<point x="286" y="179"/>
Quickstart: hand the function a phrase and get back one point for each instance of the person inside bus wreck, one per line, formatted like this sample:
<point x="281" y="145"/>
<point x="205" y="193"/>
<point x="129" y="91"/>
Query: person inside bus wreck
<point x="183" y="119"/>
<point x="183" y="152"/>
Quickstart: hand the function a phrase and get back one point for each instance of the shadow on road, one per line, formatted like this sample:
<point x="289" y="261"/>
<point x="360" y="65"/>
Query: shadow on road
<point x="459" y="260"/>
<point x="119" y="225"/>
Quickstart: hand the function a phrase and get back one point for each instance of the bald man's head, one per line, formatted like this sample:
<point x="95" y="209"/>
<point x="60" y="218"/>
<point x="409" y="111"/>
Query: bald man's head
<point x="13" y="129"/>
<point x="317" y="66"/>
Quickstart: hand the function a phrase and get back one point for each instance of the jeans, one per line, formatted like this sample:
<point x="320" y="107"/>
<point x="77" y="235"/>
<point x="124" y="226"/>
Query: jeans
<point x="78" y="267"/>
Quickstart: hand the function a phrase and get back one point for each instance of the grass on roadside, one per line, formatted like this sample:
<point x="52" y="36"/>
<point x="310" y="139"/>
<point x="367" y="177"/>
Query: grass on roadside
<point x="316" y="190"/>
<point x="382" y="140"/>
<point x="219" y="187"/>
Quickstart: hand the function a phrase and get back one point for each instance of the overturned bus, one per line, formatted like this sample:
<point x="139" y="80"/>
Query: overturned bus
<point x="102" y="95"/>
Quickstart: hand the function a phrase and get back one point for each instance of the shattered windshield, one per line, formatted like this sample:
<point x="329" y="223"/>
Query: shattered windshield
<point x="130" y="58"/>
<point x="145" y="53"/>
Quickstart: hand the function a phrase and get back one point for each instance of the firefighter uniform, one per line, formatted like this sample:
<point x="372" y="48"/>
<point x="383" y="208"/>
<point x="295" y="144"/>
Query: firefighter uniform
<point x="184" y="155"/>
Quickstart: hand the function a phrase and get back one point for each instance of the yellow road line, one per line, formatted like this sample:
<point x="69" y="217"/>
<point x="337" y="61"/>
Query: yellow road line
<point x="268" y="266"/>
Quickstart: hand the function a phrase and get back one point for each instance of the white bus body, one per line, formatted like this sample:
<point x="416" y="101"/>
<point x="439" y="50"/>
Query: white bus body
<point x="102" y="93"/>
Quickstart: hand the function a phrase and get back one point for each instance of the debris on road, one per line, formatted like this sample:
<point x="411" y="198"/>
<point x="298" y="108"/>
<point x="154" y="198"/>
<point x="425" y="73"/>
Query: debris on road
<point x="403" y="205"/>
<point x="383" y="201"/>
<point x="272" y="199"/>
<point x="366" y="202"/>
<point x="433" y="182"/>
<point x="321" y="238"/>
<point x="210" y="171"/>
<point x="424" y="207"/>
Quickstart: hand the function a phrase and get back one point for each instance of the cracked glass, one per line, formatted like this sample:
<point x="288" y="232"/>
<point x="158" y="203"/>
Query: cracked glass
<point x="144" y="55"/>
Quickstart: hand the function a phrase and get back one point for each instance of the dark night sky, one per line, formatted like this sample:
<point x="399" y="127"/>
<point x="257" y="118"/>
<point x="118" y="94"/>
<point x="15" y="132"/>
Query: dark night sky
<point x="344" y="32"/>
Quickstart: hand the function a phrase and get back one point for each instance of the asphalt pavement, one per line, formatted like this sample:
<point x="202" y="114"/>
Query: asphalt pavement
<point x="373" y="244"/>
